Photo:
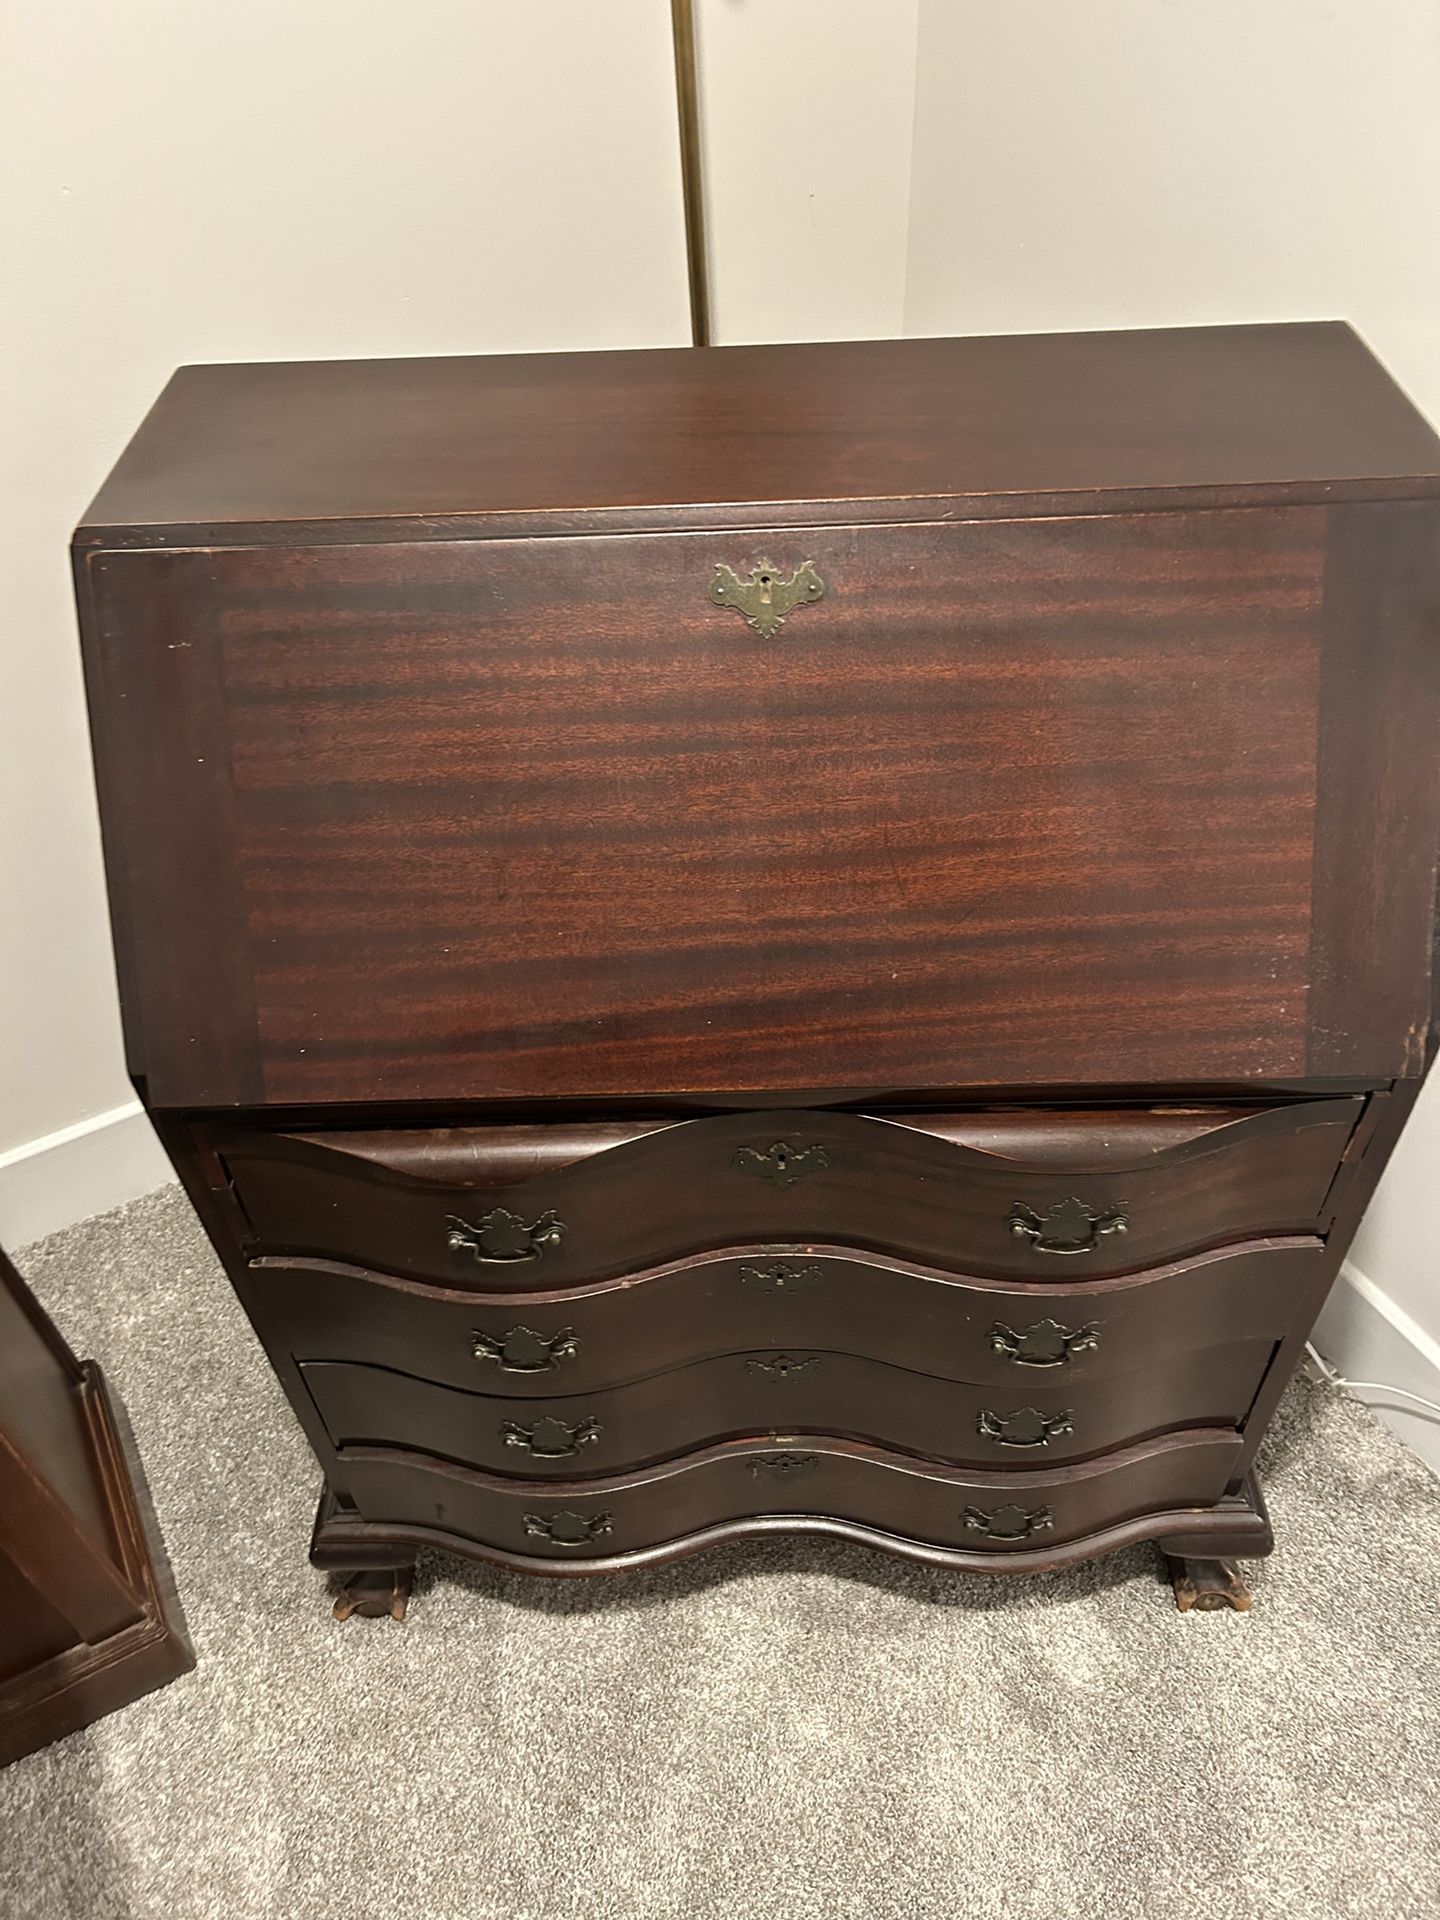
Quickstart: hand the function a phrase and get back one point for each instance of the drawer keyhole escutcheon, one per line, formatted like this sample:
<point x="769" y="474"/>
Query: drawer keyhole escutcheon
<point x="1026" y="1427"/>
<point x="1008" y="1523"/>
<point x="1066" y="1228"/>
<point x="504" y="1236"/>
<point x="1046" y="1344"/>
<point x="567" y="1528"/>
<point x="550" y="1439"/>
<point x="779" y="1278"/>
<point x="785" y="1366"/>
<point x="783" y="1466"/>
<point x="522" y="1350"/>
<point x="767" y="596"/>
<point x="781" y="1164"/>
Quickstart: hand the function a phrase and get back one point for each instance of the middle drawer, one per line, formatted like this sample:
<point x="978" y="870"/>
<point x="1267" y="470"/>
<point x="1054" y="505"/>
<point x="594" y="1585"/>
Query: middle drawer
<point x="786" y="1308"/>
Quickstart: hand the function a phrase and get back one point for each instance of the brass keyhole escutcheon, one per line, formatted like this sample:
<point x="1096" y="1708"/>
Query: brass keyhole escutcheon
<point x="767" y="596"/>
<point x="779" y="1277"/>
<point x="781" y="1164"/>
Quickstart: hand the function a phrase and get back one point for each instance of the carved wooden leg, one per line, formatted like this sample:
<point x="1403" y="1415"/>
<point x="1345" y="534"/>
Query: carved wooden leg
<point x="374" y="1569"/>
<point x="1201" y="1570"/>
<point x="1208" y="1585"/>
<point x="374" y="1592"/>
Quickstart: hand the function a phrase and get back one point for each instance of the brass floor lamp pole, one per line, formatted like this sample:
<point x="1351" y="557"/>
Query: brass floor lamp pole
<point x="682" y="21"/>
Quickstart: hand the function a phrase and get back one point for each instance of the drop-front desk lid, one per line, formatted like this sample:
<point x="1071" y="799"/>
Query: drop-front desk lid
<point x="1048" y="712"/>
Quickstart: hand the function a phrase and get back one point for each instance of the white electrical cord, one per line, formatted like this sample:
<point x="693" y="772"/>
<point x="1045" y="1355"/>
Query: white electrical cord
<point x="1367" y="1386"/>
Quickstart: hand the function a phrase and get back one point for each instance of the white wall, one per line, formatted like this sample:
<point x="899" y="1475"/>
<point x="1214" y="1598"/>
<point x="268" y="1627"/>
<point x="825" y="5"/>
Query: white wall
<point x="1138" y="163"/>
<point x="184" y="181"/>
<point x="806" y="137"/>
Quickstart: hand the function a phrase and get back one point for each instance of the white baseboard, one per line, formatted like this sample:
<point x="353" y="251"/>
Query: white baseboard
<point x="63" y="1177"/>
<point x="1366" y="1336"/>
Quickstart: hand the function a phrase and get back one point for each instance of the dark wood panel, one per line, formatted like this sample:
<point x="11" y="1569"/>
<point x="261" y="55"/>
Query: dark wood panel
<point x="904" y="1316"/>
<point x="866" y="1182"/>
<point x="1019" y="801"/>
<point x="36" y="1632"/>
<point x="88" y="1619"/>
<point x="647" y="437"/>
<point x="734" y="1395"/>
<point x="1237" y="1526"/>
<point x="848" y="1481"/>
<point x="1378" y="826"/>
<point x="42" y="1413"/>
<point x="1074" y="1140"/>
<point x="153" y="680"/>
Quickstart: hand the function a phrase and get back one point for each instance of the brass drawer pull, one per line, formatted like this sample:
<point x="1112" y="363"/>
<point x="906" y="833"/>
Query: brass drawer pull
<point x="522" y="1350"/>
<point x="785" y="1366"/>
<point x="568" y="1529"/>
<point x="782" y="1165"/>
<point x="504" y="1236"/>
<point x="1066" y="1228"/>
<point x="1026" y="1427"/>
<point x="1046" y="1344"/>
<point x="550" y="1439"/>
<point x="783" y="1466"/>
<point x="1008" y="1523"/>
<point x="778" y="1278"/>
<point x="765" y="598"/>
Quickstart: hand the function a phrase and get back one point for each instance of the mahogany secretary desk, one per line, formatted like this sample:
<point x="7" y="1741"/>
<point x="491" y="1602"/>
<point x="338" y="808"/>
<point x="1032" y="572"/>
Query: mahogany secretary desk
<point x="819" y="938"/>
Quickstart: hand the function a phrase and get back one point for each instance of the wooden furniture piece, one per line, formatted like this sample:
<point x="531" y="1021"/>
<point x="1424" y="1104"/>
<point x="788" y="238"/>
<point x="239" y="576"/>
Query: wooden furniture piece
<point x="817" y="938"/>
<point x="88" y="1616"/>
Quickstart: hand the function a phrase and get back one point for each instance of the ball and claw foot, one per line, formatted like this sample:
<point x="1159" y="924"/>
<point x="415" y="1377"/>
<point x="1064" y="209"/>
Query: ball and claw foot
<point x="374" y="1593"/>
<point x="1205" y="1586"/>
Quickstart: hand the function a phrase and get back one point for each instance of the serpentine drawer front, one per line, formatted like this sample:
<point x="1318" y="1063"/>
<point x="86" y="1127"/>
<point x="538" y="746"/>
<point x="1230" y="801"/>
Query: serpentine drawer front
<point x="956" y="1328"/>
<point x="825" y="937"/>
<point x="1027" y="1194"/>
<point x="960" y="1508"/>
<point x="1027" y="1422"/>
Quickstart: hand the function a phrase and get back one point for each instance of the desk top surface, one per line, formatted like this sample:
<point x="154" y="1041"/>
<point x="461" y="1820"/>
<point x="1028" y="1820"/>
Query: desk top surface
<point x="672" y="437"/>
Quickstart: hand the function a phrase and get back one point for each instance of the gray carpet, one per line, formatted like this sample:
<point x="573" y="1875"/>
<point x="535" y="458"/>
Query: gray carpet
<point x="778" y="1731"/>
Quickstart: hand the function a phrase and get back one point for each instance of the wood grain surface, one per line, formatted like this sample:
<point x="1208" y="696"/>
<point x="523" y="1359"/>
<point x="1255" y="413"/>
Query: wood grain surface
<point x="810" y="432"/>
<point x="869" y="1183"/>
<point x="733" y="1396"/>
<point x="909" y="1317"/>
<point x="850" y="1481"/>
<point x="1235" y="1525"/>
<point x="1014" y="802"/>
<point x="89" y="1618"/>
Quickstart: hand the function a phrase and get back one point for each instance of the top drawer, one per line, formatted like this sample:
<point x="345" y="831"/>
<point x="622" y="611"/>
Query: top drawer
<point x="1026" y="1194"/>
<point x="1051" y="802"/>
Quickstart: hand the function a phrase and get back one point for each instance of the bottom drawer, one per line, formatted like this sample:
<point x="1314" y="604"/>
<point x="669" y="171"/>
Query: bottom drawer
<point x="1022" y="1423"/>
<point x="966" y="1508"/>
